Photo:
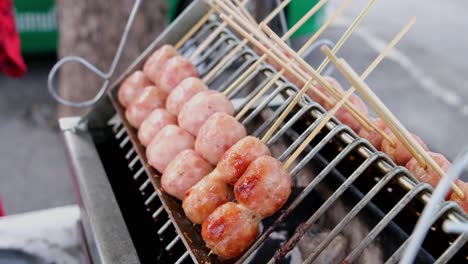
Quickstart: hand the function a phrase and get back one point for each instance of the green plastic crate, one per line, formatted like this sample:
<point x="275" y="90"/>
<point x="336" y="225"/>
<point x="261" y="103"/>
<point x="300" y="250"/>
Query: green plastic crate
<point x="298" y="8"/>
<point x="36" y="23"/>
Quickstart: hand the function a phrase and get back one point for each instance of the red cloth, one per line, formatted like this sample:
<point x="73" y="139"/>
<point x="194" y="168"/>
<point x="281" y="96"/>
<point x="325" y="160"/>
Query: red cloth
<point x="2" y="211"/>
<point x="11" y="61"/>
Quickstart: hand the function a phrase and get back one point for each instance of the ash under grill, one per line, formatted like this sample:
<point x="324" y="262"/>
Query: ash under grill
<point x="347" y="196"/>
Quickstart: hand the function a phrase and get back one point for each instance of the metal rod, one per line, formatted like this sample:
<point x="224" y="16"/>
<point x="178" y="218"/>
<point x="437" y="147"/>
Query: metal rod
<point x="291" y="243"/>
<point x="138" y="173"/>
<point x="172" y="244"/>
<point x="158" y="212"/>
<point x="164" y="227"/>
<point x="409" y="196"/>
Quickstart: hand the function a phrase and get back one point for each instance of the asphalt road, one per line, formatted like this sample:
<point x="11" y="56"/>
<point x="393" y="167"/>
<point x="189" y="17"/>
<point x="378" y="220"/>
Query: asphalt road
<point x="423" y="82"/>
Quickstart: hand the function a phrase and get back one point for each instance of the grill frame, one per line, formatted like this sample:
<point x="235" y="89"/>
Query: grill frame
<point x="77" y="137"/>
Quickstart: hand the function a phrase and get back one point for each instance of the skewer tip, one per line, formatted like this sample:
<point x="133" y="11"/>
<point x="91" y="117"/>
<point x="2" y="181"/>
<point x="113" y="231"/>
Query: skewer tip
<point x="325" y="49"/>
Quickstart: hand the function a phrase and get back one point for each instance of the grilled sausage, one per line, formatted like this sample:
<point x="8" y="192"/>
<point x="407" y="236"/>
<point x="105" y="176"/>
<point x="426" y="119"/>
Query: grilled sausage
<point x="167" y="143"/>
<point x="264" y="187"/>
<point x="131" y="87"/>
<point x="184" y="171"/>
<point x="230" y="230"/>
<point x="399" y="153"/>
<point x="157" y="60"/>
<point x="217" y="135"/>
<point x="153" y="123"/>
<point x="150" y="99"/>
<point x="205" y="196"/>
<point x="200" y="107"/>
<point x="182" y="94"/>
<point x="237" y="158"/>
<point x="174" y="71"/>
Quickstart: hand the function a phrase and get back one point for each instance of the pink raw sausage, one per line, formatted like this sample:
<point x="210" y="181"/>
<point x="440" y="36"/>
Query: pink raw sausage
<point x="182" y="94"/>
<point x="345" y="116"/>
<point x="150" y="99"/>
<point x="175" y="70"/>
<point x="217" y="135"/>
<point x="184" y="171"/>
<point x="169" y="142"/>
<point x="157" y="60"/>
<point x="399" y="153"/>
<point x="198" y="109"/>
<point x="131" y="87"/>
<point x="428" y="175"/>
<point x="158" y="119"/>
<point x="373" y="136"/>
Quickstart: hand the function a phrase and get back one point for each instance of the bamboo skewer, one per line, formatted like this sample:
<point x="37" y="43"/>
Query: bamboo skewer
<point x="207" y="41"/>
<point x="360" y="117"/>
<point x="234" y="51"/>
<point x="366" y="73"/>
<point x="283" y="57"/>
<point x="319" y="127"/>
<point x="288" y="109"/>
<point x="346" y="35"/>
<point x="367" y="124"/>
<point x="258" y="44"/>
<point x="194" y="29"/>
<point x="251" y="102"/>
<point x="377" y="61"/>
<point x="212" y="35"/>
<point x="245" y="12"/>
<point x="397" y="128"/>
<point x="279" y="74"/>
<point x="290" y="32"/>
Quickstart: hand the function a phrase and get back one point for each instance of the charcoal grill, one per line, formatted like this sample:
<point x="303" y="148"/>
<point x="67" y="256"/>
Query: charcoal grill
<point x="127" y="218"/>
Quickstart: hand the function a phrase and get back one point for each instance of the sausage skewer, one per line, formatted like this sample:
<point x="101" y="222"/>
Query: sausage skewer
<point x="189" y="198"/>
<point x="213" y="35"/>
<point x="397" y="128"/>
<point x="270" y="53"/>
<point x="198" y="147"/>
<point x="239" y="46"/>
<point x="288" y="34"/>
<point x="208" y="223"/>
<point x="260" y="191"/>
<point x="164" y="76"/>
<point x="279" y="74"/>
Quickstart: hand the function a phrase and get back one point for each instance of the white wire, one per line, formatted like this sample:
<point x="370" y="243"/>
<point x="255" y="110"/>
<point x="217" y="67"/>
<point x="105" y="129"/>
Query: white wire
<point x="454" y="228"/>
<point x="424" y="223"/>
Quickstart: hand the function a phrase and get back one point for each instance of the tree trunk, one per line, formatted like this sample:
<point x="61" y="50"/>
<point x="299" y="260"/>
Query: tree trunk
<point x="92" y="29"/>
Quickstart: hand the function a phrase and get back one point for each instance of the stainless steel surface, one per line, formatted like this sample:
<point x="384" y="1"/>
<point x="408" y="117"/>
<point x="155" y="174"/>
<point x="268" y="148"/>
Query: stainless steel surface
<point x="105" y="229"/>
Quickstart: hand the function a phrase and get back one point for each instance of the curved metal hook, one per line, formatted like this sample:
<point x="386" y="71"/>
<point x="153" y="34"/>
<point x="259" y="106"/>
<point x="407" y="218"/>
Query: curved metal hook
<point x="105" y="76"/>
<point x="424" y="222"/>
<point x="86" y="64"/>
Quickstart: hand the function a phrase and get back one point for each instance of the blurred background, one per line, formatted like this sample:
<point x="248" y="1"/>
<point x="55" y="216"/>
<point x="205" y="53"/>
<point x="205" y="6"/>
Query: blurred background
<point x="423" y="81"/>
